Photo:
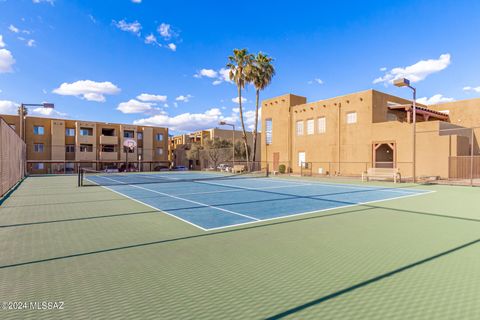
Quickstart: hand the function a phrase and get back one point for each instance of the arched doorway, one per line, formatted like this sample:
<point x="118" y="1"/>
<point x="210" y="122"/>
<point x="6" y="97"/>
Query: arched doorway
<point x="384" y="154"/>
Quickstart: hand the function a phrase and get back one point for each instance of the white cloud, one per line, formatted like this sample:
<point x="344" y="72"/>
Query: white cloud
<point x="472" y="89"/>
<point x="220" y="76"/>
<point x="134" y="106"/>
<point x="183" y="98"/>
<point x="48" y="112"/>
<point x="236" y="100"/>
<point x="13" y="29"/>
<point x="383" y="69"/>
<point x="2" y="43"/>
<point x="435" y="99"/>
<point x="6" y="61"/>
<point x="92" y="18"/>
<point x="151" y="39"/>
<point x="185" y="121"/>
<point x="172" y="46"/>
<point x="416" y="72"/>
<point x="8" y="107"/>
<point x="31" y="43"/>
<point x="165" y="30"/>
<point x="248" y="117"/>
<point x="316" y="80"/>
<point x="209" y="73"/>
<point x="137" y="1"/>
<point x="133" y="27"/>
<point x="51" y="2"/>
<point x="225" y="75"/>
<point x="87" y="89"/>
<point x="151" y="97"/>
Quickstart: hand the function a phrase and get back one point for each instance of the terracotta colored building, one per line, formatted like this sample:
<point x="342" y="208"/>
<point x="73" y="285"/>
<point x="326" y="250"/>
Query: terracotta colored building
<point x="62" y="146"/>
<point x="345" y="135"/>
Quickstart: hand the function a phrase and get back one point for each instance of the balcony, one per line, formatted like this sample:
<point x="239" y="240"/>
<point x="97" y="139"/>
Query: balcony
<point x="85" y="156"/>
<point x="86" y="139"/>
<point x="108" y="156"/>
<point x="109" y="140"/>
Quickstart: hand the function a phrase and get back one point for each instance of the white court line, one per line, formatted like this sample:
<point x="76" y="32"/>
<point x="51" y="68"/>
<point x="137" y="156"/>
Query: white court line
<point x="159" y="177"/>
<point x="356" y="186"/>
<point x="321" y="210"/>
<point x="221" y="191"/>
<point x="183" y="199"/>
<point x="275" y="218"/>
<point x="153" y="207"/>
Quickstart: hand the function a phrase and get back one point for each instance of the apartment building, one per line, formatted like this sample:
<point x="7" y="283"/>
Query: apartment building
<point x="345" y="135"/>
<point x="180" y="144"/>
<point x="62" y="146"/>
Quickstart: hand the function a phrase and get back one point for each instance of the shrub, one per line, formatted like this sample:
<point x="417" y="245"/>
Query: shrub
<point x="281" y="168"/>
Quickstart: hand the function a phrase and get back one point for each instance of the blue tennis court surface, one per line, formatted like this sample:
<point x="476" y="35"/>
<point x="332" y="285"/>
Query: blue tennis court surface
<point x="213" y="204"/>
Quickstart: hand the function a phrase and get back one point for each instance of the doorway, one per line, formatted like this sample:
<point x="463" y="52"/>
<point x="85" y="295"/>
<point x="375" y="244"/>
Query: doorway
<point x="384" y="154"/>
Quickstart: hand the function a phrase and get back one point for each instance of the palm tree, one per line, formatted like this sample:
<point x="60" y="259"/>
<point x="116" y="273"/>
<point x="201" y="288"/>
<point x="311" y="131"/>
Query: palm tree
<point x="261" y="72"/>
<point x="238" y="64"/>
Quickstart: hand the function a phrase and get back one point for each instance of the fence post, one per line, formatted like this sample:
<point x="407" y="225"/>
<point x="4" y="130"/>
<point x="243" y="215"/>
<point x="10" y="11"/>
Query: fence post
<point x="471" y="158"/>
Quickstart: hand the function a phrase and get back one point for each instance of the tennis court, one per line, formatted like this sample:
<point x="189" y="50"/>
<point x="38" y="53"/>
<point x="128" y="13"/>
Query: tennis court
<point x="413" y="253"/>
<point x="212" y="201"/>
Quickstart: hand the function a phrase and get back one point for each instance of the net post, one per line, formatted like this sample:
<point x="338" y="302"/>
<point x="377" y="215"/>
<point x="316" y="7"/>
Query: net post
<point x="80" y="177"/>
<point x="268" y="170"/>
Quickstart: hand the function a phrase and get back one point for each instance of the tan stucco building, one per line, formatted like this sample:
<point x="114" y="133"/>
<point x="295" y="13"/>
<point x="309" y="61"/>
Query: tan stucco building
<point x="345" y="135"/>
<point x="179" y="144"/>
<point x="62" y="146"/>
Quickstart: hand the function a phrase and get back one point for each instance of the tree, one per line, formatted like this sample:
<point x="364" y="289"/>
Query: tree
<point x="238" y="64"/>
<point x="240" y="153"/>
<point x="260" y="73"/>
<point x="218" y="150"/>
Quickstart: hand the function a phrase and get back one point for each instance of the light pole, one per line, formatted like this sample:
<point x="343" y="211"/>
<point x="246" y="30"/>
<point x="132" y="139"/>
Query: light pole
<point x="404" y="82"/>
<point x="224" y="123"/>
<point x="22" y="112"/>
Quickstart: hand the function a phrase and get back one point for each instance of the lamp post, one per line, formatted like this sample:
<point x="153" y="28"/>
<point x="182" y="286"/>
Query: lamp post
<point x="224" y="123"/>
<point x="22" y="112"/>
<point x="404" y="82"/>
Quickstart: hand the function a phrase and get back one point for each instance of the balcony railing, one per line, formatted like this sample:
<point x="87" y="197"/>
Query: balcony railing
<point x="109" y="140"/>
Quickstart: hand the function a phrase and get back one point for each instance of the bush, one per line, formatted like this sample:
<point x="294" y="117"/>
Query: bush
<point x="281" y="168"/>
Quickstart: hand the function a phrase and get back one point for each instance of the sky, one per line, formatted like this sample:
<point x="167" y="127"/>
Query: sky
<point x="163" y="62"/>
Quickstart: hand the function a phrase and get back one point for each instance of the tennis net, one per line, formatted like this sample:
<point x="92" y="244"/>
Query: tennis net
<point x="88" y="177"/>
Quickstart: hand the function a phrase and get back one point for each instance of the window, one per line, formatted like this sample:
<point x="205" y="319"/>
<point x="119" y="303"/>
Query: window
<point x="159" y="151"/>
<point x="109" y="132"/>
<point x="140" y="135"/>
<point x="128" y="134"/>
<point x="159" y="136"/>
<point x="38" y="147"/>
<point x="268" y="131"/>
<point x="322" y="125"/>
<point x="299" y="128"/>
<point x="310" y="126"/>
<point x="38" y="130"/>
<point x="38" y="166"/>
<point x="70" y="132"/>
<point x="301" y="158"/>
<point x="351" y="117"/>
<point x="86" y="131"/>
<point x="392" y="116"/>
<point x="108" y="148"/>
<point x="69" y="148"/>
<point x="86" y="148"/>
